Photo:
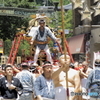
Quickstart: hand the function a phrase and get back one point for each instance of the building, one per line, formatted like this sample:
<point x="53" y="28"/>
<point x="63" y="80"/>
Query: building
<point x="86" y="39"/>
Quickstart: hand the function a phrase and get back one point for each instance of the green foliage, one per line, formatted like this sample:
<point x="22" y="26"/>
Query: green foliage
<point x="9" y="25"/>
<point x="24" y="46"/>
<point x="68" y="21"/>
<point x="51" y="43"/>
<point x="7" y="46"/>
<point x="44" y="2"/>
<point x="20" y="3"/>
<point x="65" y="2"/>
<point x="32" y="3"/>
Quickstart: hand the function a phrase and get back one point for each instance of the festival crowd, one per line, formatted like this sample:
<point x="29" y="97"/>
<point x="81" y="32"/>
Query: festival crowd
<point x="62" y="80"/>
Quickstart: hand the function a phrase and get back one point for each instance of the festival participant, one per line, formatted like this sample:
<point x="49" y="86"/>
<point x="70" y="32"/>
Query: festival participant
<point x="9" y="85"/>
<point x="36" y="70"/>
<point x="27" y="79"/>
<point x="76" y="65"/>
<point x="59" y="78"/>
<point x="40" y="37"/>
<point x="93" y="82"/>
<point x="84" y="72"/>
<point x="44" y="86"/>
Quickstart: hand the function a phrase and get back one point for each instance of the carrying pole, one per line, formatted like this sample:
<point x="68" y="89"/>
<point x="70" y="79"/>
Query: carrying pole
<point x="65" y="51"/>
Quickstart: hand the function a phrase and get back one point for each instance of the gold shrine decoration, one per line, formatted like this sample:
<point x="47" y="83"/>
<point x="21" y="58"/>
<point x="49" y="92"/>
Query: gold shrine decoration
<point x="77" y="3"/>
<point x="96" y="0"/>
<point x="36" y="18"/>
<point x="97" y="9"/>
<point x="33" y="16"/>
<point x="36" y="15"/>
<point x="27" y="38"/>
<point x="86" y="13"/>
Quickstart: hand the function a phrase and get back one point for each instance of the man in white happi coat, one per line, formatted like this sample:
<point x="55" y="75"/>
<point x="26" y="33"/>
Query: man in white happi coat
<point x="40" y="37"/>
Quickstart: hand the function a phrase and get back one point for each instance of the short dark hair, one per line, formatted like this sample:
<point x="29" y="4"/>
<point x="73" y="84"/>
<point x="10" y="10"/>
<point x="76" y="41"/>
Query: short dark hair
<point x="24" y="65"/>
<point x="41" y="21"/>
<point x="7" y="67"/>
<point x="3" y="66"/>
<point x="71" y="65"/>
<point x="47" y="62"/>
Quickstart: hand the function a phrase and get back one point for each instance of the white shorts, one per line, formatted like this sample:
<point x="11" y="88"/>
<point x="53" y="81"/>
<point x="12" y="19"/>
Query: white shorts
<point x="83" y="84"/>
<point x="61" y="94"/>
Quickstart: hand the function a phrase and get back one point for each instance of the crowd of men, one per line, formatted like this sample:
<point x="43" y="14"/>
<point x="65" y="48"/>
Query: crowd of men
<point x="61" y="80"/>
<point x="49" y="81"/>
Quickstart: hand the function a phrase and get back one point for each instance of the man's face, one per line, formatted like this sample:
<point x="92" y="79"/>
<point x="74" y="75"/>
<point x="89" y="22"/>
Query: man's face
<point x="42" y="24"/>
<point x="47" y="69"/>
<point x="85" y="67"/>
<point x="62" y="60"/>
<point x="9" y="71"/>
<point x="65" y="63"/>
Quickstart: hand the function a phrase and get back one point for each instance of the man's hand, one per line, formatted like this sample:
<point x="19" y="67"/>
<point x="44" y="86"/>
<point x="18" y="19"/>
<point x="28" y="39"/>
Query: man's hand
<point x="58" y="40"/>
<point x="39" y="97"/>
<point x="11" y="87"/>
<point x="31" y="42"/>
<point x="2" y="72"/>
<point x="64" y="62"/>
<point x="65" y="66"/>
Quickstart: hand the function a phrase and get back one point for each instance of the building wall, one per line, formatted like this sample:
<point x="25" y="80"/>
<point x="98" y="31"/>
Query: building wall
<point x="79" y="29"/>
<point x="78" y="22"/>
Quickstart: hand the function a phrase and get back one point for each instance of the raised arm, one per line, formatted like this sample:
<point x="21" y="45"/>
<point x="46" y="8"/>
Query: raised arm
<point x="2" y="72"/>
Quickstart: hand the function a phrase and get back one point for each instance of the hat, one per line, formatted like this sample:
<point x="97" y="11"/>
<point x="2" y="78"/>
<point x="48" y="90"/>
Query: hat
<point x="32" y="69"/>
<point x="41" y="21"/>
<point x="71" y="65"/>
<point x="7" y="66"/>
<point x="24" y="64"/>
<point x="97" y="62"/>
<point x="45" y="65"/>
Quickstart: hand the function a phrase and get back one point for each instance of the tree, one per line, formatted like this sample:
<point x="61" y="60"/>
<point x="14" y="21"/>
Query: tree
<point x="24" y="46"/>
<point x="20" y="3"/>
<point x="65" y="2"/>
<point x="7" y="46"/>
<point x="9" y="25"/>
<point x="57" y="22"/>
